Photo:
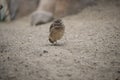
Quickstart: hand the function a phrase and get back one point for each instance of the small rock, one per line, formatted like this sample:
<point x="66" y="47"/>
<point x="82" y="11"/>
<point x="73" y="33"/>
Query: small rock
<point x="16" y="69"/>
<point x="60" y="52"/>
<point x="40" y="54"/>
<point x="118" y="71"/>
<point x="95" y="64"/>
<point x="117" y="79"/>
<point x="4" y="60"/>
<point x="45" y="51"/>
<point x="56" y="55"/>
<point x="8" y="58"/>
<point x="26" y="65"/>
<point x="69" y="75"/>
<point x="76" y="61"/>
<point x="0" y="77"/>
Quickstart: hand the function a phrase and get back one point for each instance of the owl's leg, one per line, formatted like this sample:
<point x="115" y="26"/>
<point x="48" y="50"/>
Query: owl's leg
<point x="55" y="43"/>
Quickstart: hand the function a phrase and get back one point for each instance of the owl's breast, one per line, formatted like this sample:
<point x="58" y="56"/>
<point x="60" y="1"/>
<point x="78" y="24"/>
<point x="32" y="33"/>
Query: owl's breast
<point x="57" y="34"/>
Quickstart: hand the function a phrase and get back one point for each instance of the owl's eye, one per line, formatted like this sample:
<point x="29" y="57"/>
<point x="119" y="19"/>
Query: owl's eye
<point x="58" y="21"/>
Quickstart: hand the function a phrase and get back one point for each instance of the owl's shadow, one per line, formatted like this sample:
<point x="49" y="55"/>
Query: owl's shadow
<point x="56" y="44"/>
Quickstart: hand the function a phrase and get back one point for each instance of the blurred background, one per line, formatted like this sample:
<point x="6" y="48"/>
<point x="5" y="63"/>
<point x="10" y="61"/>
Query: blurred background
<point x="43" y="11"/>
<point x="89" y="49"/>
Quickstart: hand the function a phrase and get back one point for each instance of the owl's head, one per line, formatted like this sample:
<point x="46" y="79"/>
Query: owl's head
<point x="58" y="22"/>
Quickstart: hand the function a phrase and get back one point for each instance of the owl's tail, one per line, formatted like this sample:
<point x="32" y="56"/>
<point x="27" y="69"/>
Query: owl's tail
<point x="51" y="40"/>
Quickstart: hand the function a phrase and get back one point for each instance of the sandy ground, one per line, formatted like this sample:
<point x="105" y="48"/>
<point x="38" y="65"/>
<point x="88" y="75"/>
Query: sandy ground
<point x="90" y="49"/>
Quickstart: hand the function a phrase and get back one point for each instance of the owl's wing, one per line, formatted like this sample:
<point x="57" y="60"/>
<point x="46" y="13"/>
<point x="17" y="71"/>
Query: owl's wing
<point x="52" y="25"/>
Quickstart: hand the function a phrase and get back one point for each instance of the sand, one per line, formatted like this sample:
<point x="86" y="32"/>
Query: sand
<point x="89" y="50"/>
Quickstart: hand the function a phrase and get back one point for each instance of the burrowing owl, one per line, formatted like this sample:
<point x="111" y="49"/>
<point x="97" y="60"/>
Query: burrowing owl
<point x="56" y="30"/>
